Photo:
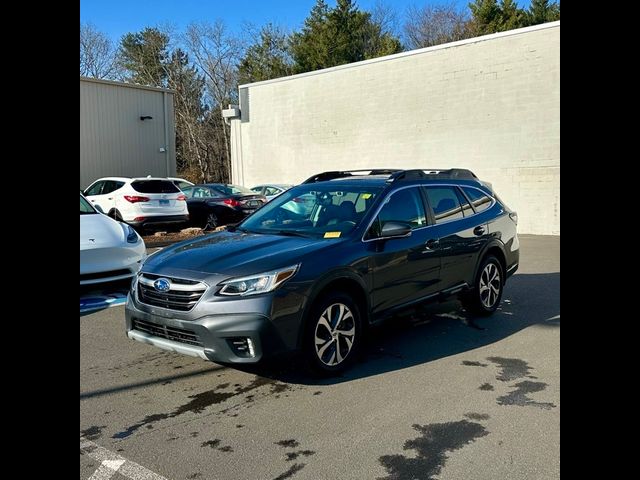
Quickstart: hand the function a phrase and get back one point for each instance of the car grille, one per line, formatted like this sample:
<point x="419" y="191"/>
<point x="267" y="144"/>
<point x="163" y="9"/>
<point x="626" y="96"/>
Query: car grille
<point x="182" y="295"/>
<point x="170" y="333"/>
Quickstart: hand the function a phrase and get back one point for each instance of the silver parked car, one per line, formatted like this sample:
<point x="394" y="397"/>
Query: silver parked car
<point x="271" y="190"/>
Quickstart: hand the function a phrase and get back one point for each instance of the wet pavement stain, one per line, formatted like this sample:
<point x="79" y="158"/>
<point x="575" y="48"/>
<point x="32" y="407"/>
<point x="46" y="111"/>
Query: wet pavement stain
<point x="317" y="393"/>
<point x="468" y="363"/>
<point x="519" y="396"/>
<point x="486" y="386"/>
<point x="194" y="475"/>
<point x="293" y="455"/>
<point x="477" y="416"/>
<point x="92" y="433"/>
<point x="226" y="449"/>
<point x="239" y="426"/>
<point x="198" y="403"/>
<point x="431" y="448"/>
<point x="295" y="468"/>
<point x="194" y="434"/>
<point x="511" y="368"/>
<point x="211" y="443"/>
<point x="291" y="443"/>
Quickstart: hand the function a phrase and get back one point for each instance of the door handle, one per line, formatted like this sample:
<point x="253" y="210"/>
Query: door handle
<point x="431" y="244"/>
<point x="479" y="230"/>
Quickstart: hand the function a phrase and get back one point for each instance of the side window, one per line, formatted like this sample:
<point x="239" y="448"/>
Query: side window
<point x="271" y="191"/>
<point x="258" y="190"/>
<point x="403" y="206"/>
<point x="466" y="206"/>
<point x="111" y="186"/>
<point x="445" y="204"/>
<point x="95" y="189"/>
<point x="188" y="191"/>
<point x="479" y="200"/>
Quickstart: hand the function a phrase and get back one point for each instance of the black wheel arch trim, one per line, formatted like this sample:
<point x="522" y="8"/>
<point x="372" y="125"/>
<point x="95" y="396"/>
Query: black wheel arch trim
<point x="321" y="285"/>
<point x="493" y="243"/>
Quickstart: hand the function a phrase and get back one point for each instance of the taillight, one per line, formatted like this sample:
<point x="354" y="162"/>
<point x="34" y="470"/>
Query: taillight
<point x="231" y="202"/>
<point x="135" y="198"/>
<point x="182" y="197"/>
<point x="139" y="219"/>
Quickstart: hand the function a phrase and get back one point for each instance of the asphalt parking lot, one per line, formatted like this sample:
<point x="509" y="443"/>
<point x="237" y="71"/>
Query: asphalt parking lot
<point x="443" y="396"/>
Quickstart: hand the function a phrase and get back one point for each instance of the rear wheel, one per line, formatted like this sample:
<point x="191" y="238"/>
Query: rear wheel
<point x="484" y="298"/>
<point x="211" y="221"/>
<point x="333" y="334"/>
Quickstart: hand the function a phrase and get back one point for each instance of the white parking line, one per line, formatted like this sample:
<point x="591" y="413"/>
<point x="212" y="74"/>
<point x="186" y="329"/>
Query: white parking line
<point x="106" y="470"/>
<point x="110" y="463"/>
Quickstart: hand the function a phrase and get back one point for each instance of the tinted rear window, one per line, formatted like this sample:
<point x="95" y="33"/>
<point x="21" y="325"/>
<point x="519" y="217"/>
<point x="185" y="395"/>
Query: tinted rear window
<point x="154" y="186"/>
<point x="479" y="200"/>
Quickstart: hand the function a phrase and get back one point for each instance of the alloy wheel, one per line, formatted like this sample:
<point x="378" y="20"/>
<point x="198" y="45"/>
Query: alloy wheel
<point x="490" y="285"/>
<point x="334" y="334"/>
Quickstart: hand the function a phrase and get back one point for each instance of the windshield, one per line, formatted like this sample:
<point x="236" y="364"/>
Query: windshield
<point x="85" y="207"/>
<point x="323" y="211"/>
<point x="232" y="189"/>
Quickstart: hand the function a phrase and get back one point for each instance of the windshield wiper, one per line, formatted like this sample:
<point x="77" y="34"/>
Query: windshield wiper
<point x="289" y="233"/>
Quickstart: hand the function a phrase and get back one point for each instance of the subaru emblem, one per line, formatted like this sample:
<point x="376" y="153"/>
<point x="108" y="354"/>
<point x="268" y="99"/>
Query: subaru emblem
<point x="162" y="285"/>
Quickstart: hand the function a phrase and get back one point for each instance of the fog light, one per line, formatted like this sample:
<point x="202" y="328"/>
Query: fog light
<point x="242" y="346"/>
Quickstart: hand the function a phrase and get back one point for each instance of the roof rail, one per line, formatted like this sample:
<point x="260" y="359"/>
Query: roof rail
<point x="395" y="174"/>
<point x="459" y="173"/>
<point x="324" y="176"/>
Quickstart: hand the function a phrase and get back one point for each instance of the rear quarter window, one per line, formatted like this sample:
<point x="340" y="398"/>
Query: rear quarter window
<point x="154" y="186"/>
<point x="479" y="200"/>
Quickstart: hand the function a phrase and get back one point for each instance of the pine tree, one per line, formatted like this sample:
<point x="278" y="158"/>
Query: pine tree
<point x="541" y="11"/>
<point x="144" y="55"/>
<point x="267" y="58"/>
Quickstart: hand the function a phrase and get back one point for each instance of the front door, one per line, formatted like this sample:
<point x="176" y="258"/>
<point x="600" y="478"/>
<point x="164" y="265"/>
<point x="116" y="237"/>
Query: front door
<point x="405" y="270"/>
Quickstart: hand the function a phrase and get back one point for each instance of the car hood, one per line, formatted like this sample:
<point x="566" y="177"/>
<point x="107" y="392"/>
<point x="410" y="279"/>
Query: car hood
<point x="99" y="231"/>
<point x="231" y="254"/>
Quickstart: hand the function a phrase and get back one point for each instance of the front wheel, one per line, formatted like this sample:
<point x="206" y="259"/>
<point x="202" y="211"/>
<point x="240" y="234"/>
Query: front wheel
<point x="333" y="334"/>
<point x="484" y="297"/>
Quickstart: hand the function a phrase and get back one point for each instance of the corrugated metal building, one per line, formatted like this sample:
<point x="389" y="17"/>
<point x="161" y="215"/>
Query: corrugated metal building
<point x="125" y="130"/>
<point x="490" y="104"/>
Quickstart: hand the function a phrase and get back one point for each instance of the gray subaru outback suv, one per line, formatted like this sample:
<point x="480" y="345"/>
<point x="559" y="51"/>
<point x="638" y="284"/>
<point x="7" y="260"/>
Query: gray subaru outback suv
<point x="289" y="279"/>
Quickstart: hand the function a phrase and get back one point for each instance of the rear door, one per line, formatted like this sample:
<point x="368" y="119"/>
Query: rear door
<point x="162" y="197"/>
<point x="460" y="233"/>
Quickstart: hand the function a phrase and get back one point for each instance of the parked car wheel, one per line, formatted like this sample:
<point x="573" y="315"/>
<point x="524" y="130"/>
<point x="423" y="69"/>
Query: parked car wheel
<point x="333" y="334"/>
<point x="115" y="214"/>
<point x="485" y="296"/>
<point x="211" y="222"/>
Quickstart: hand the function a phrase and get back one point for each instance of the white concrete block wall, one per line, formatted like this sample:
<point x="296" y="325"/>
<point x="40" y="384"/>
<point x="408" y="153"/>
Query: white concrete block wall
<point x="490" y="104"/>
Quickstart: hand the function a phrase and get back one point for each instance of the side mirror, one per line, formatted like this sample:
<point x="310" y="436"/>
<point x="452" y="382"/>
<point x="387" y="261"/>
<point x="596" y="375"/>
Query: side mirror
<point x="98" y="207"/>
<point x="395" y="230"/>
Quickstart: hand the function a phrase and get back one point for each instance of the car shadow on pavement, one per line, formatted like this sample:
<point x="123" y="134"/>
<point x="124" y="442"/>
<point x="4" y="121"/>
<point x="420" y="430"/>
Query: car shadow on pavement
<point x="440" y="331"/>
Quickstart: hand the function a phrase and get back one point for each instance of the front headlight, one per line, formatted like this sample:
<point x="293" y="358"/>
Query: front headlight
<point x="259" y="283"/>
<point x="132" y="235"/>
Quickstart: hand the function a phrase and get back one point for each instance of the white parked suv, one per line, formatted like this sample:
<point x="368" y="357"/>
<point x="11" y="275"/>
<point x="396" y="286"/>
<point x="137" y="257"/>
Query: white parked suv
<point x="141" y="202"/>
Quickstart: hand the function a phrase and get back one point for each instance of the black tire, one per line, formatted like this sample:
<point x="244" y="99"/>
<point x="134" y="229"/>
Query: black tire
<point x="482" y="299"/>
<point x="115" y="214"/>
<point x="340" y="349"/>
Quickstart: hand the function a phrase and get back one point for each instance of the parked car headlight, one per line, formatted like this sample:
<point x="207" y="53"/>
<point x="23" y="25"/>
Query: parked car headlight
<point x="259" y="283"/>
<point x="132" y="235"/>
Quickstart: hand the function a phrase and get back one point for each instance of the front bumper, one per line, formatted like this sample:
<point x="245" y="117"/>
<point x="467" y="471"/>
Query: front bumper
<point x="208" y="337"/>
<point x="98" y="265"/>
